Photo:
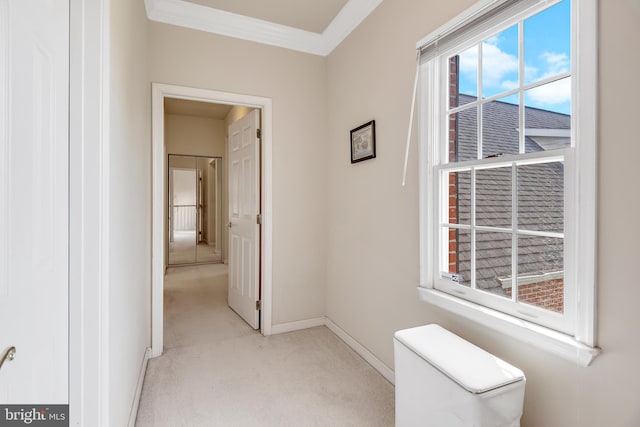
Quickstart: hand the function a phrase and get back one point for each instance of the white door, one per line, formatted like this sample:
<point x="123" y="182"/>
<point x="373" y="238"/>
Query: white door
<point x="244" y="206"/>
<point x="34" y="148"/>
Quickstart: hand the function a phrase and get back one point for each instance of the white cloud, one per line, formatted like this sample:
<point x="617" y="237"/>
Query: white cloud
<point x="493" y="40"/>
<point x="548" y="64"/>
<point x="496" y="64"/>
<point x="554" y="93"/>
<point x="509" y="84"/>
<point x="557" y="92"/>
<point x="530" y="73"/>
<point x="469" y="62"/>
<point x="556" y="63"/>
<point x="500" y="72"/>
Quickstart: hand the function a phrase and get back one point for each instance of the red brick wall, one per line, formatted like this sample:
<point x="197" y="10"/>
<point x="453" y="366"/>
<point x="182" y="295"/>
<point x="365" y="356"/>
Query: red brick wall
<point x="453" y="102"/>
<point x="548" y="294"/>
<point x="453" y="184"/>
<point x="453" y="251"/>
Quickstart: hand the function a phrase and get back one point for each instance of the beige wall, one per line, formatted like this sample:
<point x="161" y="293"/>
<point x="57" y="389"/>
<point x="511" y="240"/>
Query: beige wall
<point x="373" y="271"/>
<point x="296" y="83"/>
<point x="129" y="287"/>
<point x="194" y="136"/>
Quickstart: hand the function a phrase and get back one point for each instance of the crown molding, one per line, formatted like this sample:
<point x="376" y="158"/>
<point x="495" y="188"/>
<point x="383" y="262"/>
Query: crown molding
<point x="197" y="17"/>
<point x="347" y="20"/>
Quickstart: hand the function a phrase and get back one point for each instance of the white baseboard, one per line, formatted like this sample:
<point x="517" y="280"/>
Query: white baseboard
<point x="296" y="326"/>
<point x="377" y="364"/>
<point x="136" y="398"/>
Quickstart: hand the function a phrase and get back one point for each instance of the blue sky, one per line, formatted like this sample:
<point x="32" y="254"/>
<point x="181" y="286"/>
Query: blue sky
<point x="547" y="52"/>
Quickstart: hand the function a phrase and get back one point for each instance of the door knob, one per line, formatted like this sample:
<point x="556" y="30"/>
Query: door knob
<point x="8" y="355"/>
<point x="230" y="224"/>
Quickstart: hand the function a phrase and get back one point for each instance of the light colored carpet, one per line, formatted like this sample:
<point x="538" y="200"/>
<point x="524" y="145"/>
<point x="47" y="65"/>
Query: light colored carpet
<point x="217" y="371"/>
<point x="183" y="249"/>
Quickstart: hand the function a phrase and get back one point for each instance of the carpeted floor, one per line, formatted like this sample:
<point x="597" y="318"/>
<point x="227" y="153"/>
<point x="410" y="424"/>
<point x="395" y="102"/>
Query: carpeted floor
<point x="217" y="371"/>
<point x="183" y="249"/>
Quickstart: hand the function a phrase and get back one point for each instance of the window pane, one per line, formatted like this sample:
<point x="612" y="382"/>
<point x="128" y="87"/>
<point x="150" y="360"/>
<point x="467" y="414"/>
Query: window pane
<point x="493" y="197"/>
<point x="493" y="261"/>
<point x="541" y="197"/>
<point x="547" y="43"/>
<point x="541" y="272"/>
<point x="500" y="62"/>
<point x="458" y="256"/>
<point x="459" y="196"/>
<point x="547" y="116"/>
<point x="463" y="135"/>
<point x="500" y="127"/>
<point x="463" y="77"/>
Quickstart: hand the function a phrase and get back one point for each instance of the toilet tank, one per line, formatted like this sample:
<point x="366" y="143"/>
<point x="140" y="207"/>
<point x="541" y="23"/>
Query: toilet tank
<point x="445" y="381"/>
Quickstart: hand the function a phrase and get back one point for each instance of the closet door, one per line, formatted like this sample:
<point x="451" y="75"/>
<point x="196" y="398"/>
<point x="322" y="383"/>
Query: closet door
<point x="34" y="200"/>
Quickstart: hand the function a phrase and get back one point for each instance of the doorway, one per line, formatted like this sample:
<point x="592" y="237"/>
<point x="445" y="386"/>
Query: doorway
<point x="195" y="210"/>
<point x="160" y="93"/>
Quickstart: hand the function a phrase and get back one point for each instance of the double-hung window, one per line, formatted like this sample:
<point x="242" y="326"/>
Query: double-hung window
<point x="508" y="170"/>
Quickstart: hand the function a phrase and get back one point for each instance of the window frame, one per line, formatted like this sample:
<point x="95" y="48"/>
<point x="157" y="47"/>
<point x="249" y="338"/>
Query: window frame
<point x="572" y="337"/>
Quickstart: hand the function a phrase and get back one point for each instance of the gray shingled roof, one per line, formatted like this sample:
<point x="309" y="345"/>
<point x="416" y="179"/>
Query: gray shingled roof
<point x="540" y="203"/>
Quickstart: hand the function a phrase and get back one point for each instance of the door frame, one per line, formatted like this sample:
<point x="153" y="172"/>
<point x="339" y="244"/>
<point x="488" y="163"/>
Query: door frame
<point x="160" y="91"/>
<point x="89" y="70"/>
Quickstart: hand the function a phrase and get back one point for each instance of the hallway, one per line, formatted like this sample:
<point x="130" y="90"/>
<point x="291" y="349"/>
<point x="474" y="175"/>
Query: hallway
<point x="217" y="371"/>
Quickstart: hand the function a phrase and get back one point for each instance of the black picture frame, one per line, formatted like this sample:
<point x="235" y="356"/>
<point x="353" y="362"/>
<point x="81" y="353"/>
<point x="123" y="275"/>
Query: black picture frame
<point x="363" y="142"/>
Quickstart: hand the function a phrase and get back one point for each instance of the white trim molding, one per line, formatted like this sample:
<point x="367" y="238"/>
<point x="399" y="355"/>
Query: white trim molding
<point x="546" y="339"/>
<point x="586" y="195"/>
<point x="133" y="415"/>
<point x="89" y="213"/>
<point x="159" y="92"/>
<point x="283" y="328"/>
<point x="376" y="363"/>
<point x="190" y="15"/>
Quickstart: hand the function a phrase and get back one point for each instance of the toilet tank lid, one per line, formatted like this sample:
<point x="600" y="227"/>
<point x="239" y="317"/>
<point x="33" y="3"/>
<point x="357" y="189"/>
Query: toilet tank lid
<point x="473" y="368"/>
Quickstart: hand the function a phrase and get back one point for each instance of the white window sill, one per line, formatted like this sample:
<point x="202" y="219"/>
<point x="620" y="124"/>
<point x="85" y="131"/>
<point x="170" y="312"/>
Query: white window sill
<point x="555" y="342"/>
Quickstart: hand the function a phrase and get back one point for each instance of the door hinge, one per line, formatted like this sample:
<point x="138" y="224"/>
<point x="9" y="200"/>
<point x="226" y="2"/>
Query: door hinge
<point x="259" y="133"/>
<point x="259" y="219"/>
<point x="259" y="305"/>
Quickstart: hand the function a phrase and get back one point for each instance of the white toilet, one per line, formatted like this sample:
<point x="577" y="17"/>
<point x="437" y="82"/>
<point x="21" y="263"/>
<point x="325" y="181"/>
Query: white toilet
<point x="445" y="381"/>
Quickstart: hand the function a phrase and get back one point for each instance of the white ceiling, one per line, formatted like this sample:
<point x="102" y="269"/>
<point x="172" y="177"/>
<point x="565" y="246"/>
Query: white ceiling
<point x="311" y="26"/>
<point x="308" y="15"/>
<point x="187" y="107"/>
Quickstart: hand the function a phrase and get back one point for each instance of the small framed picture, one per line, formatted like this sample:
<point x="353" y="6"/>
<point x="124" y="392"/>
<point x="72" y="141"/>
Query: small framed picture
<point x="363" y="142"/>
